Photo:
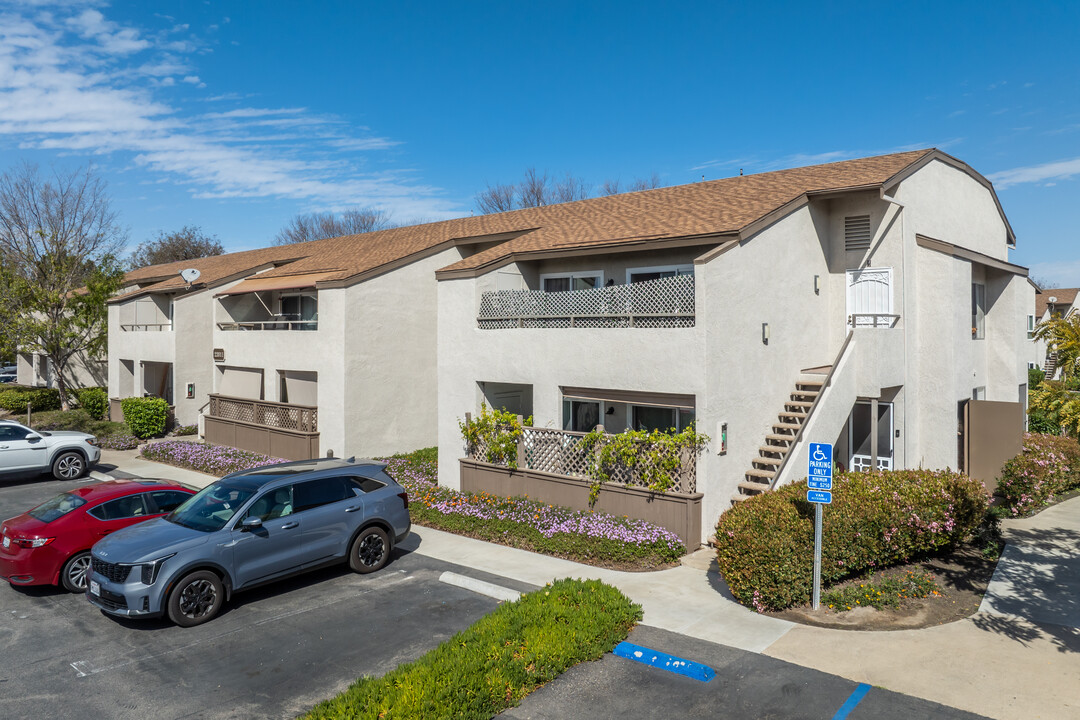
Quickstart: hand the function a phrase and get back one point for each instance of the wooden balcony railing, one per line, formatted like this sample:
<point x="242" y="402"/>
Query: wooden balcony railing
<point x="283" y="416"/>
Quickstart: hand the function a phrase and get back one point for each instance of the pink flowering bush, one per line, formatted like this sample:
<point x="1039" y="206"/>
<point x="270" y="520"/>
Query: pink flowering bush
<point x="1048" y="466"/>
<point x="765" y="545"/>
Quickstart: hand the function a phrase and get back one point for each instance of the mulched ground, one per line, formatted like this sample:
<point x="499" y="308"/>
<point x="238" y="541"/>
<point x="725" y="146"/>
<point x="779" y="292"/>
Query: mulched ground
<point x="962" y="576"/>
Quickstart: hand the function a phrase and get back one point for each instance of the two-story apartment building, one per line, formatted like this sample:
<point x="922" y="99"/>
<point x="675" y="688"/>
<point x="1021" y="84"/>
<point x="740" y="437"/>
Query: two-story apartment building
<point x="867" y="303"/>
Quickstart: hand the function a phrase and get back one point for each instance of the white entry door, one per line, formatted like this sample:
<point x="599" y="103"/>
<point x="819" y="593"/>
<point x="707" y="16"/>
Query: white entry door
<point x="869" y="297"/>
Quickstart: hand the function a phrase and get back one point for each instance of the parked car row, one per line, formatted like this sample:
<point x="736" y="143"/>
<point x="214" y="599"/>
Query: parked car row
<point x="247" y="529"/>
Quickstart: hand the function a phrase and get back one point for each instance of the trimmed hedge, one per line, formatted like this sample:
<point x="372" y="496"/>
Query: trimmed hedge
<point x="765" y="545"/>
<point x="1048" y="466"/>
<point x="93" y="400"/>
<point x="78" y="420"/>
<point x="145" y="416"/>
<point x="499" y="660"/>
<point x="41" y="399"/>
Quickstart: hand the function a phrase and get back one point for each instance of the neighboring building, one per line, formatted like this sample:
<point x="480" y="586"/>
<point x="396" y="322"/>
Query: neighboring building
<point x="864" y="303"/>
<point x="82" y="371"/>
<point x="1049" y="303"/>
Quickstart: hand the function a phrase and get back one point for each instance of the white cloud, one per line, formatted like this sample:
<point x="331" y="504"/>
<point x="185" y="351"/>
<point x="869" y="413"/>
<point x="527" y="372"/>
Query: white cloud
<point x="75" y="81"/>
<point x="1057" y="170"/>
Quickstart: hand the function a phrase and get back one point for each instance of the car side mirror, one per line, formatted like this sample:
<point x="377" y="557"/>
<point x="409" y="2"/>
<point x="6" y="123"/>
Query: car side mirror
<point x="251" y="523"/>
<point x="32" y="438"/>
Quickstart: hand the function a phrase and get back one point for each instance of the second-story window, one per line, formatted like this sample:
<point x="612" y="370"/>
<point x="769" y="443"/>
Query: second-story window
<point x="564" y="282"/>
<point x="978" y="311"/>
<point x="302" y="309"/>
<point x="645" y="274"/>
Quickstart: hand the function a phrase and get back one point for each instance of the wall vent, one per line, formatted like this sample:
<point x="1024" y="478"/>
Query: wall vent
<point x="857" y="232"/>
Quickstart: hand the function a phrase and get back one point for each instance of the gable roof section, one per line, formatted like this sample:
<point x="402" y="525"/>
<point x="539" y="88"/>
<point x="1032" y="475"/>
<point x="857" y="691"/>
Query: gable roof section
<point x="1065" y="297"/>
<point x="696" y="214"/>
<point x="704" y="210"/>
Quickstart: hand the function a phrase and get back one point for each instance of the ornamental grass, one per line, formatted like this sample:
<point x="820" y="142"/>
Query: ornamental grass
<point x="765" y="545"/>
<point x="497" y="661"/>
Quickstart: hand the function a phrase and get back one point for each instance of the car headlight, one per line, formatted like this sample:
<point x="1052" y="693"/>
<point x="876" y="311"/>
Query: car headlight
<point x="92" y="441"/>
<point x="150" y="569"/>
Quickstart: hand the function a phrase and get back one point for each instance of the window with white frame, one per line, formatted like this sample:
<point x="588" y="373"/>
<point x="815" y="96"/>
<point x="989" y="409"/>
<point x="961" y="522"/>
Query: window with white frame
<point x="565" y="282"/>
<point x="1030" y="326"/>
<point x="645" y="274"/>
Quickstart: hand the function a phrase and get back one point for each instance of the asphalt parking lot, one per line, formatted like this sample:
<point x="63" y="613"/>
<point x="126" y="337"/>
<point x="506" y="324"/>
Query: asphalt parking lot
<point x="274" y="652"/>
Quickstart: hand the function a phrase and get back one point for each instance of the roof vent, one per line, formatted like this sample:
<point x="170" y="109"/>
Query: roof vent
<point x="857" y="232"/>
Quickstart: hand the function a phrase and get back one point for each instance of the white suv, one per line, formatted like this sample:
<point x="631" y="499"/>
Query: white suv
<point x="66" y="454"/>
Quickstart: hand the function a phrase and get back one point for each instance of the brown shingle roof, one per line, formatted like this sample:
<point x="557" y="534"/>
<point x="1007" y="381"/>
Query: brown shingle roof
<point x="707" y="208"/>
<point x="1065" y="297"/>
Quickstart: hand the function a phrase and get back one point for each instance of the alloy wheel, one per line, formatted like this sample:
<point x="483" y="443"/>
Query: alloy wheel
<point x="197" y="598"/>
<point x="78" y="570"/>
<point x="70" y="467"/>
<point x="371" y="550"/>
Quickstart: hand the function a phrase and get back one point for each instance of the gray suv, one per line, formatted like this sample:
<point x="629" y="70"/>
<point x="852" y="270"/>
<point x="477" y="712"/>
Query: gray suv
<point x="247" y="529"/>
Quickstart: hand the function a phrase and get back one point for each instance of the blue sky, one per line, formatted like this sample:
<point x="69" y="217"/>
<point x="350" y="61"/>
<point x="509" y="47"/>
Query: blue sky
<point x="235" y="116"/>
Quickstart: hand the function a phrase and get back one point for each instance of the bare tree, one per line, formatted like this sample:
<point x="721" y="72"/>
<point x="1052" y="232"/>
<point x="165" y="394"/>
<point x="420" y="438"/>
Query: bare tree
<point x="58" y="239"/>
<point x="497" y="199"/>
<point x="187" y="243"/>
<point x="535" y="189"/>
<point x="317" y="226"/>
<point x="569" y="189"/>
<point x="613" y="187"/>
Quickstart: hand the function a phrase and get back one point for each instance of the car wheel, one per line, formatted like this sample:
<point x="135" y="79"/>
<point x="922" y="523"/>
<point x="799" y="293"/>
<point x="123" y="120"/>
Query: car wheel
<point x="69" y="466"/>
<point x="75" y="573"/>
<point x="196" y="599"/>
<point x="370" y="550"/>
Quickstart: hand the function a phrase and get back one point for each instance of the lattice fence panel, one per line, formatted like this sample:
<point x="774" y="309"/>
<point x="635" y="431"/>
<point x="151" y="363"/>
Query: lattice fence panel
<point x="559" y="452"/>
<point x="664" y="302"/>
<point x="294" y="417"/>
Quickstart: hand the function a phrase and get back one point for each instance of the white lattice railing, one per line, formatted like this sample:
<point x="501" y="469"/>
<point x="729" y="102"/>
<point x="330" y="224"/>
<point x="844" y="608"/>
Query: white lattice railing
<point x="665" y="302"/>
<point x="560" y="452"/>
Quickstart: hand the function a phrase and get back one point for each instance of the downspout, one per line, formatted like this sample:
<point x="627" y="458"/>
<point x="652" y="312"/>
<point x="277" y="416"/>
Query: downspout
<point x="907" y="317"/>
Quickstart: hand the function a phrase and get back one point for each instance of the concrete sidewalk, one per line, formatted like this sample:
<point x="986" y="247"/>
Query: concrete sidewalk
<point x="129" y="462"/>
<point x="1017" y="658"/>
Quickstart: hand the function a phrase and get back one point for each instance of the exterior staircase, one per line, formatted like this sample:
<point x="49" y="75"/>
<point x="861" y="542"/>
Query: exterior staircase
<point x="781" y="440"/>
<point x="1050" y="366"/>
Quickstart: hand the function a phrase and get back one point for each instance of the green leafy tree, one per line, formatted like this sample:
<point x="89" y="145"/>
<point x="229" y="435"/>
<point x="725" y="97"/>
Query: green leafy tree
<point x="58" y="242"/>
<point x="1057" y="402"/>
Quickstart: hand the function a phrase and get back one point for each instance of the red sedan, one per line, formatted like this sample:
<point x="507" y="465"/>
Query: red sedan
<point x="50" y="545"/>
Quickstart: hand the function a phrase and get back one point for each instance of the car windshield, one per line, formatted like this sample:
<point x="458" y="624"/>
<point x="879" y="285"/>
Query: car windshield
<point x="57" y="507"/>
<point x="211" y="508"/>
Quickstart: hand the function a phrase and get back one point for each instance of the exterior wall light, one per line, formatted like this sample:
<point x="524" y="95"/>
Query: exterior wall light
<point x="765" y="333"/>
<point x="817" y="284"/>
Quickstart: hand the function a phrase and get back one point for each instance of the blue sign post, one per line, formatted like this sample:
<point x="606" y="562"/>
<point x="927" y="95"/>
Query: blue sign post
<point x="819" y="480"/>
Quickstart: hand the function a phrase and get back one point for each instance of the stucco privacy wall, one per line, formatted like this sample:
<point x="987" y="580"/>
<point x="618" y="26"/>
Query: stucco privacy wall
<point x="193" y="324"/>
<point x="390" y="349"/>
<point x="649" y="360"/>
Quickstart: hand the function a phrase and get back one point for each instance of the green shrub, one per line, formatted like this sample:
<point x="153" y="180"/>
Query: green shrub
<point x="765" y="545"/>
<point x="493" y="435"/>
<point x="499" y="660"/>
<point x="186" y="430"/>
<point x="78" y="420"/>
<point x="118" y="441"/>
<point x="93" y="400"/>
<point x="1035" y="378"/>
<point x="1048" y="466"/>
<point x="145" y="416"/>
<point x="14" y="399"/>
<point x="1042" y="422"/>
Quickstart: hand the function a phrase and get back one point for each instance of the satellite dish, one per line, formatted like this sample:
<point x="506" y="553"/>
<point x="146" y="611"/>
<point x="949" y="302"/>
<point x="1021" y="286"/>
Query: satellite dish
<point x="190" y="275"/>
<point x="1052" y="300"/>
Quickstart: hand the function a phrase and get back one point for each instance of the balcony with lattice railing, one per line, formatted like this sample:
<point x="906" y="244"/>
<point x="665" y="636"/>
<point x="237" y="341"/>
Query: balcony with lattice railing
<point x="282" y="430"/>
<point x="661" y="303"/>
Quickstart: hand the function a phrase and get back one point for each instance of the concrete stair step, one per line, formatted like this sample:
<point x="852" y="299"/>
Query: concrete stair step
<point x="781" y="438"/>
<point x="786" y="426"/>
<point x="752" y="488"/>
<point x="778" y="449"/>
<point x="768" y="461"/>
<point x="739" y="497"/>
<point x="800" y="403"/>
<point x="768" y="474"/>
<point x="793" y="413"/>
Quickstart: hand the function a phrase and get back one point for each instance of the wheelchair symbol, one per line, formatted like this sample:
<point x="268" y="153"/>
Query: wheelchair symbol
<point x="819" y="456"/>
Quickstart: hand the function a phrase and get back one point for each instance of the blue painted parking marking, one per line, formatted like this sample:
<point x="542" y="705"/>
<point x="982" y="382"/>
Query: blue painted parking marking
<point x="657" y="659"/>
<point x="855" y="698"/>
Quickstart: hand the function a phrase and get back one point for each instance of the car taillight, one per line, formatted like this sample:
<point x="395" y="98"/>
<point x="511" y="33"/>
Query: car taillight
<point x="32" y="542"/>
<point x="404" y="499"/>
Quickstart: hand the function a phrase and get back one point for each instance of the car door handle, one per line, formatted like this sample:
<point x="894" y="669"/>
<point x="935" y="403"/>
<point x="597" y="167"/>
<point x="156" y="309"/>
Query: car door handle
<point x="354" y="508"/>
<point x="290" y="525"/>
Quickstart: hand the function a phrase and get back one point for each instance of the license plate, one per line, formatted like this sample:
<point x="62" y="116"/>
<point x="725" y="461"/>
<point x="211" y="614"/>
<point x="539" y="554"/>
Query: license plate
<point x="95" y="588"/>
<point x="7" y="541"/>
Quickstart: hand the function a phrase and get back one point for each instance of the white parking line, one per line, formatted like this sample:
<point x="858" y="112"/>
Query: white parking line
<point x="84" y="668"/>
<point x="479" y="586"/>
